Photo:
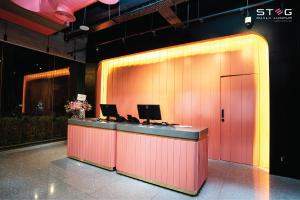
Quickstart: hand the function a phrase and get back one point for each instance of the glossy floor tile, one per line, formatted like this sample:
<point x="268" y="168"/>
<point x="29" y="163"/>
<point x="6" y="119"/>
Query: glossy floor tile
<point x="44" y="172"/>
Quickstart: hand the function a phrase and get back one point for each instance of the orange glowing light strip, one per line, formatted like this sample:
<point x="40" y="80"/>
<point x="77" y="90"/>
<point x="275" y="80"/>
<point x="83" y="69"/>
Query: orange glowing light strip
<point x="216" y="45"/>
<point x="42" y="75"/>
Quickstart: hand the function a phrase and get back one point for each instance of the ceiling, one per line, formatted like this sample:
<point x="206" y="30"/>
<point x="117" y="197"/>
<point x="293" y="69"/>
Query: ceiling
<point x="42" y="18"/>
<point x="99" y="16"/>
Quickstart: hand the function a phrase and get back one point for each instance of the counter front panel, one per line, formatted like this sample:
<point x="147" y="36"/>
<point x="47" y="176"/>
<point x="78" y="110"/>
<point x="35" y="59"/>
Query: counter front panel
<point x="172" y="157"/>
<point x="178" y="164"/>
<point x="96" y="146"/>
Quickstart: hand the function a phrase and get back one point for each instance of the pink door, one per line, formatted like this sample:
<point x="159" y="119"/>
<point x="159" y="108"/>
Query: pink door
<point x="238" y="118"/>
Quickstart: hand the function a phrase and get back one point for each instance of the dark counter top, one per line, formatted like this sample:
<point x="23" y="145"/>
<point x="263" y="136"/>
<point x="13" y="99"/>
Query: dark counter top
<point x="167" y="131"/>
<point x="159" y="130"/>
<point x="92" y="122"/>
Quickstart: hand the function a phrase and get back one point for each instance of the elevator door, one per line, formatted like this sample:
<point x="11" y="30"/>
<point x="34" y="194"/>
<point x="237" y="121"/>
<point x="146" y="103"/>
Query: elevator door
<point x="238" y="112"/>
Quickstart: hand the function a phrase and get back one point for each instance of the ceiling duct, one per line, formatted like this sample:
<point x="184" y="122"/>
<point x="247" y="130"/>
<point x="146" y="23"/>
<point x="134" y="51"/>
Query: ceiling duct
<point x="62" y="10"/>
<point x="139" y="12"/>
<point x="32" y="5"/>
<point x="64" y="13"/>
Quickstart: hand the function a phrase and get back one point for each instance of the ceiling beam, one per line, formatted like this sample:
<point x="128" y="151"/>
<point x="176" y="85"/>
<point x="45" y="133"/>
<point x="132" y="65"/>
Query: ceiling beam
<point x="139" y="12"/>
<point x="171" y="17"/>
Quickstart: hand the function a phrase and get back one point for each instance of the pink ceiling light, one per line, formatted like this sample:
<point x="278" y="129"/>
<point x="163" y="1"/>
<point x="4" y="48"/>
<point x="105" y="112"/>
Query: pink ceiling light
<point x="32" y="5"/>
<point x="109" y="2"/>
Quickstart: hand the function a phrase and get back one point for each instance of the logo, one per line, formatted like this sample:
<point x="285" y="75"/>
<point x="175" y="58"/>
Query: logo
<point x="278" y="11"/>
<point x="276" y="15"/>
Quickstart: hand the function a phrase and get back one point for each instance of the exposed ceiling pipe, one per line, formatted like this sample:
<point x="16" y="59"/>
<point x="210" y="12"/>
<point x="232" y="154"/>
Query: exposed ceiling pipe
<point x="138" y="12"/>
<point x="133" y="14"/>
<point x="197" y="19"/>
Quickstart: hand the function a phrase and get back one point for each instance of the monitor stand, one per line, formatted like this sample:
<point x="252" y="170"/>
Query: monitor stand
<point x="147" y="122"/>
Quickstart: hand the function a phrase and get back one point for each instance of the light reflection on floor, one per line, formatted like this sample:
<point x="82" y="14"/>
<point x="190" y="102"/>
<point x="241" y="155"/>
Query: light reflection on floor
<point x="46" y="173"/>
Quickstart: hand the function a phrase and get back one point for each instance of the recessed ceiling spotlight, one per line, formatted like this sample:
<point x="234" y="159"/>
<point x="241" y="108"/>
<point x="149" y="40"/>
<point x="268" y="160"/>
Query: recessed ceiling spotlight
<point x="84" y="28"/>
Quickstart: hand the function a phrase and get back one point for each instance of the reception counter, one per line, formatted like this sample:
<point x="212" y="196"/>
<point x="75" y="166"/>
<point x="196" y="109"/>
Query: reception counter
<point x="92" y="142"/>
<point x="172" y="157"/>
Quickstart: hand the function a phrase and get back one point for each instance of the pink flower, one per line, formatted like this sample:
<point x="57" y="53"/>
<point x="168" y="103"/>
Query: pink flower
<point x="72" y="106"/>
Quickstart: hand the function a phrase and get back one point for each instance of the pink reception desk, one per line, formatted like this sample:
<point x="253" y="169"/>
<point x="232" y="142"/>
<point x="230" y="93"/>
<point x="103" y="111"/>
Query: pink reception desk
<point x="176" y="158"/>
<point x="92" y="142"/>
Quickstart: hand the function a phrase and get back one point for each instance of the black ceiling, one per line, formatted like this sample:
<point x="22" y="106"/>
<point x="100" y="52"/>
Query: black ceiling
<point x="188" y="10"/>
<point x="99" y="12"/>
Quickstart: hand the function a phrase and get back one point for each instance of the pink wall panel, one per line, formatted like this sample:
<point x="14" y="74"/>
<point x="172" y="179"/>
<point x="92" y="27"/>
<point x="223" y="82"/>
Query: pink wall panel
<point x="236" y="62"/>
<point x="235" y="119"/>
<point x="188" y="90"/>
<point x="214" y="127"/>
<point x="238" y="130"/>
<point x="92" y="145"/>
<point x="225" y="125"/>
<point x="186" y="171"/>
<point x="225" y="63"/>
<point x="171" y="91"/>
<point x="248" y="119"/>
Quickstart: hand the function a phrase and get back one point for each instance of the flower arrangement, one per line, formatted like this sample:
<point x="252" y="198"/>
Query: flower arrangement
<point x="78" y="108"/>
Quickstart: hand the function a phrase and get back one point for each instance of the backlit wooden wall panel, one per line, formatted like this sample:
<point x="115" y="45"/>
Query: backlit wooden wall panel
<point x="185" y="80"/>
<point x="187" y="90"/>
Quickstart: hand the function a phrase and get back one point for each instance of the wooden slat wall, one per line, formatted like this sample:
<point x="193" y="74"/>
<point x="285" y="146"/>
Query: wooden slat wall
<point x="238" y="129"/>
<point x="187" y="88"/>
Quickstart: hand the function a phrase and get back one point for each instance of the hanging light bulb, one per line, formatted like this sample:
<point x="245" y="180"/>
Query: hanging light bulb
<point x="248" y="19"/>
<point x="84" y="27"/>
<point x="109" y="2"/>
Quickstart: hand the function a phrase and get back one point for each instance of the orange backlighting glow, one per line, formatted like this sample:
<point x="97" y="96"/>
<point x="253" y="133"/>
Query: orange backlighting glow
<point x="212" y="46"/>
<point x="42" y="75"/>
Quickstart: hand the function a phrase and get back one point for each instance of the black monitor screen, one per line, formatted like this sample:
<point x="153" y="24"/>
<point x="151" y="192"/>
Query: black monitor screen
<point x="109" y="110"/>
<point x="150" y="112"/>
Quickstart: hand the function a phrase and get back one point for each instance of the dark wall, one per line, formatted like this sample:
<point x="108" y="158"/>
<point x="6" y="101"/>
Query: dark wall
<point x="284" y="59"/>
<point x="53" y="93"/>
<point x="17" y="61"/>
<point x="90" y="81"/>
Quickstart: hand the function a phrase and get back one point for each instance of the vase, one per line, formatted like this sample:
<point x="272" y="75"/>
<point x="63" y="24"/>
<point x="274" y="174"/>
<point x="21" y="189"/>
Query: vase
<point x="81" y="114"/>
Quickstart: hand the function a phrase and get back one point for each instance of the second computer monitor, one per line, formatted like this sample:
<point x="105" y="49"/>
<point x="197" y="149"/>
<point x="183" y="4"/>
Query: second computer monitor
<point x="149" y="112"/>
<point x="109" y="110"/>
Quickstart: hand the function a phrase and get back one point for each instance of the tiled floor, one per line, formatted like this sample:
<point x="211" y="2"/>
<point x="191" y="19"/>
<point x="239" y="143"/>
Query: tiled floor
<point x="46" y="173"/>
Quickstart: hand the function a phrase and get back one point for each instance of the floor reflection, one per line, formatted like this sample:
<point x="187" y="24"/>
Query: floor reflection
<point x="46" y="173"/>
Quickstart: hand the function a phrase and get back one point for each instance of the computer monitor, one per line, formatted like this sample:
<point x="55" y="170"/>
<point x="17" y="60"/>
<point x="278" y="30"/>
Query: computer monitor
<point x="149" y="112"/>
<point x="109" y="110"/>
